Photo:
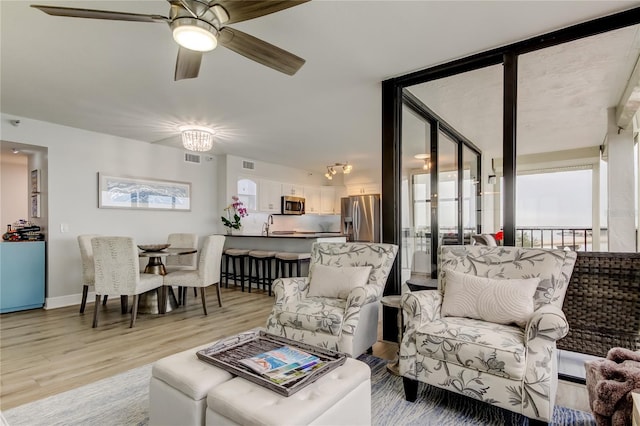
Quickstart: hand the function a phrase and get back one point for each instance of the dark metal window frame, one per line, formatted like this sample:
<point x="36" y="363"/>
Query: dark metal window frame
<point x="437" y="126"/>
<point x="392" y="101"/>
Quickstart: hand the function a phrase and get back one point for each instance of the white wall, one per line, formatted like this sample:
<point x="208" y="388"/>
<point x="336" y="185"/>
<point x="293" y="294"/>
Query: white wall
<point x="621" y="191"/>
<point x="74" y="158"/>
<point x="14" y="181"/>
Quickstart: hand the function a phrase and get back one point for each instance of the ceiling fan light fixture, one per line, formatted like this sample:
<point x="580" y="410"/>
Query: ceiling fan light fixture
<point x="197" y="138"/>
<point x="194" y="34"/>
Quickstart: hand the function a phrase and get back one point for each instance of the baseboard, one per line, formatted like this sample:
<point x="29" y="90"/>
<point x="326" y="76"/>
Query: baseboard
<point x="69" y="300"/>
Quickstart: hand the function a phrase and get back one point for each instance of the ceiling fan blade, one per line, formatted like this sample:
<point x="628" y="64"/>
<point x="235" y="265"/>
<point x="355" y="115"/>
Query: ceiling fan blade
<point x="73" y="12"/>
<point x="187" y="64"/>
<point x="260" y="51"/>
<point x="239" y="11"/>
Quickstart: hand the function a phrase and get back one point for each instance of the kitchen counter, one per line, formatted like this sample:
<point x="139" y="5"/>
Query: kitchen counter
<point x="297" y="242"/>
<point x="306" y="235"/>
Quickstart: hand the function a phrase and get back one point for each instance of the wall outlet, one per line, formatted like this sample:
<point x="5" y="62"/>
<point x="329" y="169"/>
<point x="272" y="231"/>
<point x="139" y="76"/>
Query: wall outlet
<point x="64" y="227"/>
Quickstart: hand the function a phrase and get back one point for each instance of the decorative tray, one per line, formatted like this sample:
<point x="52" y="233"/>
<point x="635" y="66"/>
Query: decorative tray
<point x="227" y="353"/>
<point x="153" y="247"/>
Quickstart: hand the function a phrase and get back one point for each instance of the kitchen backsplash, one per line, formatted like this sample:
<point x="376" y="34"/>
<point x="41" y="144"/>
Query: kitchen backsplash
<point x="252" y="224"/>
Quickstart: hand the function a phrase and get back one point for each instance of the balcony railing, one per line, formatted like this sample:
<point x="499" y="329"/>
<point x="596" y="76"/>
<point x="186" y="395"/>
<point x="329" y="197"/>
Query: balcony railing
<point x="576" y="239"/>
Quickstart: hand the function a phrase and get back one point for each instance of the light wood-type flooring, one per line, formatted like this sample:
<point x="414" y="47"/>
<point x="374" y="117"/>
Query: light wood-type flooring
<point x="45" y="352"/>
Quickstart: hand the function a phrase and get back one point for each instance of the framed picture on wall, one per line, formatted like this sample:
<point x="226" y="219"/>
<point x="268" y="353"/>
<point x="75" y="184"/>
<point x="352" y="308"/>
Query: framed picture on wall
<point x="126" y="192"/>
<point x="35" y="205"/>
<point x="35" y="181"/>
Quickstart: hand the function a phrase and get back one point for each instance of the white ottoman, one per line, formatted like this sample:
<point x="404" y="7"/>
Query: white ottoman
<point x="179" y="386"/>
<point x="341" y="397"/>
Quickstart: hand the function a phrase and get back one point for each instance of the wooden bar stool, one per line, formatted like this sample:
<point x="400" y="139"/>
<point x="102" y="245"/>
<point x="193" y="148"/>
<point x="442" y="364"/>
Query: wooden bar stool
<point x="291" y="259"/>
<point x="264" y="259"/>
<point x="236" y="256"/>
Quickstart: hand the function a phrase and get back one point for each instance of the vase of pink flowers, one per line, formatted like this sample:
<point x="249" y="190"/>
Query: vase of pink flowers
<point x="235" y="212"/>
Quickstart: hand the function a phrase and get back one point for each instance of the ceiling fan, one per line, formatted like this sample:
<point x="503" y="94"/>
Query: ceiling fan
<point x="198" y="26"/>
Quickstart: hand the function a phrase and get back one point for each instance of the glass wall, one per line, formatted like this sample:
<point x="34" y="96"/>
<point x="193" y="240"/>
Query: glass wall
<point x="416" y="197"/>
<point x="448" y="191"/>
<point x="471" y="193"/>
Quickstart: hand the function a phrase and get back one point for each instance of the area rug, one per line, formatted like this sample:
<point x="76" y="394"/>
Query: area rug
<point x="123" y="400"/>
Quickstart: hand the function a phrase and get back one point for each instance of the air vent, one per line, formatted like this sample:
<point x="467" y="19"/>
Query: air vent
<point x="248" y="165"/>
<point x="191" y="158"/>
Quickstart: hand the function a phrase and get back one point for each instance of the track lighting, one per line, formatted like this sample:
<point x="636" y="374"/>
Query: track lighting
<point x="333" y="169"/>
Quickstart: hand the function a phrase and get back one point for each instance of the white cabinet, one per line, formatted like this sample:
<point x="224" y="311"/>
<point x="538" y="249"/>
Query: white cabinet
<point x="320" y="199"/>
<point x="327" y="199"/>
<point x="292" y="189"/>
<point x="313" y="200"/>
<point x="363" y="188"/>
<point x="269" y="196"/>
<point x="247" y="193"/>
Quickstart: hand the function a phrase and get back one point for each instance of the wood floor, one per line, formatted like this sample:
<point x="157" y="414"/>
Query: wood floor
<point x="43" y="353"/>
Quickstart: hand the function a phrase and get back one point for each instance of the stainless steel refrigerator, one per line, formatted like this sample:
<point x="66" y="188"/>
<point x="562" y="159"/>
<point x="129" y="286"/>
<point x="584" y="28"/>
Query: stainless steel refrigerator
<point x="360" y="218"/>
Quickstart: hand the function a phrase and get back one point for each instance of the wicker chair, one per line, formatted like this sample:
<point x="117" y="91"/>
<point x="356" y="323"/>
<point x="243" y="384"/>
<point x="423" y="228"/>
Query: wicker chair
<point x="602" y="304"/>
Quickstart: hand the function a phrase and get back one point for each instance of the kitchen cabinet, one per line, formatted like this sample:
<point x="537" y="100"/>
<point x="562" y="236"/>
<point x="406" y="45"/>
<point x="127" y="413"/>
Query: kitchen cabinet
<point x="313" y="199"/>
<point x="269" y="193"/>
<point x="363" y="188"/>
<point x="21" y="275"/>
<point x="247" y="193"/>
<point x="328" y="200"/>
<point x="292" y="189"/>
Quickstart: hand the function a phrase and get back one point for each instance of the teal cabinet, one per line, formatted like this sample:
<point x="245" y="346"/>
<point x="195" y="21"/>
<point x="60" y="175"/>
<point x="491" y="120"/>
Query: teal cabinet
<point x="21" y="275"/>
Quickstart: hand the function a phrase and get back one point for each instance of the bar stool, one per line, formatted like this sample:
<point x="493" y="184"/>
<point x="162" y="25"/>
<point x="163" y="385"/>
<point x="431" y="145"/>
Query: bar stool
<point x="235" y="256"/>
<point x="291" y="259"/>
<point x="264" y="258"/>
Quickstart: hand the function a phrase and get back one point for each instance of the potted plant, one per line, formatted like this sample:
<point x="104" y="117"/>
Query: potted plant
<point x="235" y="211"/>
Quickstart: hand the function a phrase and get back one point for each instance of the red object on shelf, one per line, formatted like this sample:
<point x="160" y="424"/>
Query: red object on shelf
<point x="499" y="236"/>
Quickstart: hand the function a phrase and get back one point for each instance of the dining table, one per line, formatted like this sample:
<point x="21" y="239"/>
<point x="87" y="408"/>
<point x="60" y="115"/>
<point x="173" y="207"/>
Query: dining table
<point x="148" y="303"/>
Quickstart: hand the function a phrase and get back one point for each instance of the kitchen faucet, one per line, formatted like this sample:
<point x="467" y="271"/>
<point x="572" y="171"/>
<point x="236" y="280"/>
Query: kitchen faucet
<point x="265" y="226"/>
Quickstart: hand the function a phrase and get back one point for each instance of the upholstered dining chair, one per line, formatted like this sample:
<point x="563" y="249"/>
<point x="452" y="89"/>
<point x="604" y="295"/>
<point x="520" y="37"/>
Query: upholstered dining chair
<point x="208" y="272"/>
<point x="337" y="306"/>
<point x="489" y="331"/>
<point x="88" y="270"/>
<point x="187" y="262"/>
<point x="117" y="272"/>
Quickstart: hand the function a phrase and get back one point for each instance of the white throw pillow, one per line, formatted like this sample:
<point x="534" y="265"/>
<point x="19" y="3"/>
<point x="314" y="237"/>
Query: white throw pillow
<point x="336" y="281"/>
<point x="502" y="301"/>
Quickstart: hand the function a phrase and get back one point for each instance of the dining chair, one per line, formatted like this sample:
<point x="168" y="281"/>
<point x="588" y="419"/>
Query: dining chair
<point x="187" y="262"/>
<point x="208" y="272"/>
<point x="117" y="272"/>
<point x="88" y="271"/>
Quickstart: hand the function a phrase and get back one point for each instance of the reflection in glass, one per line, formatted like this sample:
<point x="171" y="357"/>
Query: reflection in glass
<point x="447" y="190"/>
<point x="416" y="198"/>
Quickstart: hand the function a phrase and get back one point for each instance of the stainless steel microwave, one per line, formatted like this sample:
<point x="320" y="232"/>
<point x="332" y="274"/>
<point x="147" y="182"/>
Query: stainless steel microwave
<point x="292" y="205"/>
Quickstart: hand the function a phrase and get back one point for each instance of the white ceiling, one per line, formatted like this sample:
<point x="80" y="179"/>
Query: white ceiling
<point x="117" y="77"/>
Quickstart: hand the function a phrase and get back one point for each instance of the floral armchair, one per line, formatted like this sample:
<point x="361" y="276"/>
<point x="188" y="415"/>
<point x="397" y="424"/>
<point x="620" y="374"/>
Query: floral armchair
<point x="346" y="324"/>
<point x="510" y="366"/>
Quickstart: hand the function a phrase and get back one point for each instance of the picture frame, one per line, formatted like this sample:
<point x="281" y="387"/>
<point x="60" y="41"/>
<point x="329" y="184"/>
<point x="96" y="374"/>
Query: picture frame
<point x="128" y="192"/>
<point x="35" y="181"/>
<point x="35" y="205"/>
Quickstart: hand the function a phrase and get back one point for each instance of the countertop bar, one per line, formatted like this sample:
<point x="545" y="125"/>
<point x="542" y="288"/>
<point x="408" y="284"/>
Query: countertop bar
<point x="296" y="242"/>
<point x="293" y="235"/>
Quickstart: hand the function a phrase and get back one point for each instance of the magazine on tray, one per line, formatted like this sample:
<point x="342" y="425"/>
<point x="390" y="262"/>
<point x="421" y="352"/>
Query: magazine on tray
<point x="284" y="364"/>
